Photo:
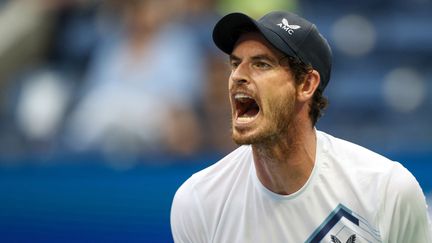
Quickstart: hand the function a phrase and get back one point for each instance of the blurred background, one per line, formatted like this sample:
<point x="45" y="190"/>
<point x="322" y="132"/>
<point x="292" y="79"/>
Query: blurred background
<point x="106" y="107"/>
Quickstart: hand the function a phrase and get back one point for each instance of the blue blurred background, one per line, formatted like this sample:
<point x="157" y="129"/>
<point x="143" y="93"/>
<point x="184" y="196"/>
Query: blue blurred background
<point x="106" y="107"/>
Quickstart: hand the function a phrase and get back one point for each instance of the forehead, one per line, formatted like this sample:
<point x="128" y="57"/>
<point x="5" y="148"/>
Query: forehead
<point x="254" y="43"/>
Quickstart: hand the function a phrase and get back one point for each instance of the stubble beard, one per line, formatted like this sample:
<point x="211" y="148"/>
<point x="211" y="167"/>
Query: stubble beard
<point x="276" y="125"/>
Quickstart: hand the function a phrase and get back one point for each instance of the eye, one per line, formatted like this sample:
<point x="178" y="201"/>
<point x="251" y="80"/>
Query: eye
<point x="234" y="64"/>
<point x="261" y="65"/>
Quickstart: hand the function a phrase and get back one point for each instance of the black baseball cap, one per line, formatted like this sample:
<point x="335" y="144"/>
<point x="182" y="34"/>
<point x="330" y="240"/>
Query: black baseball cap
<point x="287" y="32"/>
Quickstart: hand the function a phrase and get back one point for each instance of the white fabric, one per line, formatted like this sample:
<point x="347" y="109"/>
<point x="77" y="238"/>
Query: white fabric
<point x="351" y="193"/>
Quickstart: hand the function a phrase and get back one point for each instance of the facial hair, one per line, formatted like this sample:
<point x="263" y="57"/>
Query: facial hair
<point x="275" y="125"/>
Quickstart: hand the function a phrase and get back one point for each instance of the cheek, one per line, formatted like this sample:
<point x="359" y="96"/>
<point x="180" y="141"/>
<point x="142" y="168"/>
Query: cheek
<point x="279" y="93"/>
<point x="278" y="101"/>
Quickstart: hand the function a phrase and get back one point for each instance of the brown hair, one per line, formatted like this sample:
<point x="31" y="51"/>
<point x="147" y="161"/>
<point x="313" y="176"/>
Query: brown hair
<point x="319" y="102"/>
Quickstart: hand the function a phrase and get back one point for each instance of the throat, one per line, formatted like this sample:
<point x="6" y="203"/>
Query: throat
<point x="284" y="169"/>
<point x="283" y="179"/>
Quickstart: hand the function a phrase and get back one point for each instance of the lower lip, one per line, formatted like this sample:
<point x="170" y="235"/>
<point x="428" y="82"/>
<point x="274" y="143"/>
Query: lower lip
<point x="244" y="121"/>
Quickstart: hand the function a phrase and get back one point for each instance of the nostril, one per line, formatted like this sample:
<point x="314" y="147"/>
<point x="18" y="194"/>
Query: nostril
<point x="241" y="81"/>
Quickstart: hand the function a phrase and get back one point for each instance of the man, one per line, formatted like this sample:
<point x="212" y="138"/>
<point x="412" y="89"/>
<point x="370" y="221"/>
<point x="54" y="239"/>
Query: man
<point x="289" y="182"/>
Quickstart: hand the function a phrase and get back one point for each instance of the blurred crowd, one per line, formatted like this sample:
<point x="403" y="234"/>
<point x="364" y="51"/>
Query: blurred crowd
<point x="127" y="78"/>
<point x="120" y="77"/>
<point x="124" y="78"/>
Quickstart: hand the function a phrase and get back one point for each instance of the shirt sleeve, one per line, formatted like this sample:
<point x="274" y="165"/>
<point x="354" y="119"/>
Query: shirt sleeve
<point x="403" y="216"/>
<point x="187" y="221"/>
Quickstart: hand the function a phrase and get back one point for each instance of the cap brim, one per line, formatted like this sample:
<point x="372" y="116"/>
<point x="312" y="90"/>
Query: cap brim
<point x="227" y="31"/>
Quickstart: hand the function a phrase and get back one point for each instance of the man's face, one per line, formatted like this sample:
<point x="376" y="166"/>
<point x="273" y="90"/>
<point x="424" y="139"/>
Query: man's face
<point x="262" y="91"/>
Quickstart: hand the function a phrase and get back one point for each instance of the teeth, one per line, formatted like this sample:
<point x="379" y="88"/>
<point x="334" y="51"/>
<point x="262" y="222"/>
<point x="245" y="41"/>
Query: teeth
<point x="245" y="119"/>
<point x="242" y="96"/>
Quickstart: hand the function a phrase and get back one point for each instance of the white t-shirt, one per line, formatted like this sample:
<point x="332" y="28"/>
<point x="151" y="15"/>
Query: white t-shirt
<point x="352" y="195"/>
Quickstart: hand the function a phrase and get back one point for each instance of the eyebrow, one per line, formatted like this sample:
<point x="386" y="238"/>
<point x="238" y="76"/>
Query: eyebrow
<point x="233" y="57"/>
<point x="255" y="58"/>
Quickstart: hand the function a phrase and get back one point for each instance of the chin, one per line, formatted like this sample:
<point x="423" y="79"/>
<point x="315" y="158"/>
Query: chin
<point x="241" y="140"/>
<point x="241" y="137"/>
<point x="248" y="137"/>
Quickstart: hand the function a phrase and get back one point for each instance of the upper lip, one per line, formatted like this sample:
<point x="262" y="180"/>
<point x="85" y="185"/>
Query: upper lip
<point x="242" y="92"/>
<point x="242" y="95"/>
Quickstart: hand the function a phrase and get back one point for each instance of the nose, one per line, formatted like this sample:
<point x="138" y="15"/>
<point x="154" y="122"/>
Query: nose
<point x="239" y="75"/>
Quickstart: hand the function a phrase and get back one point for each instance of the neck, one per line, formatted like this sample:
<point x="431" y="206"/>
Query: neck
<point x="284" y="165"/>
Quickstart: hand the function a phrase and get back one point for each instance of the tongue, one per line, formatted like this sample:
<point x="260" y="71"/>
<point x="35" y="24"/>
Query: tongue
<point x="251" y="110"/>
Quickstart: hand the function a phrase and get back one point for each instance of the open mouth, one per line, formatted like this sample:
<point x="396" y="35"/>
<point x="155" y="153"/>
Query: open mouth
<point x="247" y="108"/>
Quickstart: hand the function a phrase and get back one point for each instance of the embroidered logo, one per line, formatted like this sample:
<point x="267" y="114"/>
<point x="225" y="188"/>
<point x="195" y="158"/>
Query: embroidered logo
<point x="288" y="27"/>
<point x="351" y="239"/>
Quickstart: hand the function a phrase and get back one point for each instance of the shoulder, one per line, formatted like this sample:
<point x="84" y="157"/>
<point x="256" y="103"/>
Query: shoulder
<point x="367" y="172"/>
<point x="376" y="173"/>
<point x="346" y="148"/>
<point x="228" y="166"/>
<point x="358" y="161"/>
<point x="215" y="178"/>
<point x="401" y="188"/>
<point x="199" y="196"/>
<point x="403" y="210"/>
<point x="354" y="156"/>
<point x="401" y="181"/>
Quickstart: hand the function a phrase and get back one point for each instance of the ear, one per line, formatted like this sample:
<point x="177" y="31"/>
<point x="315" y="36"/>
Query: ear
<point x="306" y="90"/>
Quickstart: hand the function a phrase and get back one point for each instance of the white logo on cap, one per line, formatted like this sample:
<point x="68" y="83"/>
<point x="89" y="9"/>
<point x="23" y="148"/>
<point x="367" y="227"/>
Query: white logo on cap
<point x="287" y="27"/>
